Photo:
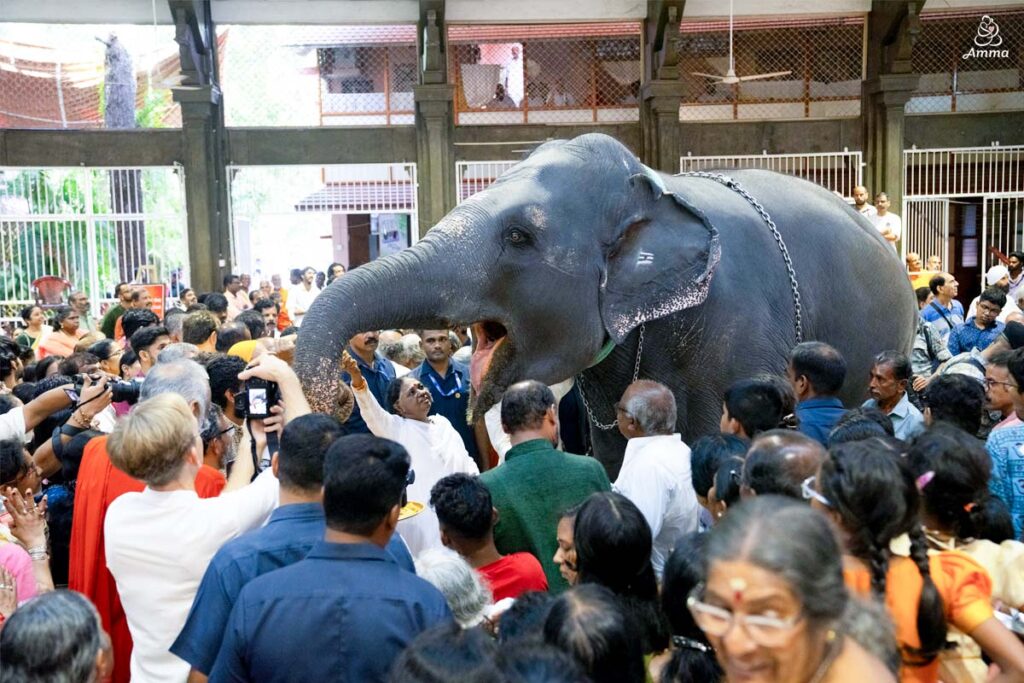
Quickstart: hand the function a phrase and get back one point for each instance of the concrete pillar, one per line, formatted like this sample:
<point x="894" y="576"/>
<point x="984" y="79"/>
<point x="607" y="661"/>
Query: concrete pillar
<point x="884" y="104"/>
<point x="209" y="232"/>
<point x="435" y="160"/>
<point x="660" y="117"/>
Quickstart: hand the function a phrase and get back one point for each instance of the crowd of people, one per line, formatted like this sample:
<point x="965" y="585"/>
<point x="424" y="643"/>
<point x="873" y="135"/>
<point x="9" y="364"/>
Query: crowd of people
<point x="173" y="510"/>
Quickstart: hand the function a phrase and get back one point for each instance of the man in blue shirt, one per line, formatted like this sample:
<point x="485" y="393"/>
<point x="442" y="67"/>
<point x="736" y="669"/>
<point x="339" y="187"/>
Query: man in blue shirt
<point x="983" y="329"/>
<point x="944" y="312"/>
<point x="294" y="528"/>
<point x="377" y="371"/>
<point x="1006" y="448"/>
<point x="347" y="610"/>
<point x="448" y="383"/>
<point x="816" y="372"/>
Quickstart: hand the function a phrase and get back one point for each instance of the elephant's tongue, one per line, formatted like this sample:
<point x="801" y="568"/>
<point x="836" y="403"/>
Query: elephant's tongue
<point x="481" y="359"/>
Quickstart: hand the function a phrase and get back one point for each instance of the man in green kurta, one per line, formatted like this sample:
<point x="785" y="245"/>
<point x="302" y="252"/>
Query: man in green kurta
<point x="537" y="483"/>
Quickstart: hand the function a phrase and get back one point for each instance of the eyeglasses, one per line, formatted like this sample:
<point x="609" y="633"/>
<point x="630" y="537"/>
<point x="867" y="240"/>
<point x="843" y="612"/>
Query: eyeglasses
<point x="228" y="430"/>
<point x="990" y="382"/>
<point x="808" y="492"/>
<point x="717" y="621"/>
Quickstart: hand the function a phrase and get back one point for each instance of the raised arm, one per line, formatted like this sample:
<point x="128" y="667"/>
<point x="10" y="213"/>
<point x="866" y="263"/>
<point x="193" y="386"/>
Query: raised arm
<point x="380" y="421"/>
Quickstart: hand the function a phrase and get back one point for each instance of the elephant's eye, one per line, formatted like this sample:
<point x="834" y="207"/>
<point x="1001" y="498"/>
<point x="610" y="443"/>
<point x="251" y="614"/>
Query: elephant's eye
<point x="517" y="236"/>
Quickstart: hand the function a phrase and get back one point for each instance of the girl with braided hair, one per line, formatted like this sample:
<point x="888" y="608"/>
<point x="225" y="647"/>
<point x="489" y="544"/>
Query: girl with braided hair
<point x="871" y="494"/>
<point x="958" y="512"/>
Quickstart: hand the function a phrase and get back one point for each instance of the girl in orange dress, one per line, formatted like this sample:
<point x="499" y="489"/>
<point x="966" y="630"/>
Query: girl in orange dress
<point x="870" y="492"/>
<point x="952" y="470"/>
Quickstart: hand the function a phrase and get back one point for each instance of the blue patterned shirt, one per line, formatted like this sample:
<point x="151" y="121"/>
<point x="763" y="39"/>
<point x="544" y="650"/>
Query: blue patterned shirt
<point x="1006" y="448"/>
<point x="967" y="336"/>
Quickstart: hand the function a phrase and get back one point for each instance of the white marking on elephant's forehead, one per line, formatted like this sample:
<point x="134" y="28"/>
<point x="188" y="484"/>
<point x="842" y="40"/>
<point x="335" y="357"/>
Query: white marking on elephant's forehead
<point x="457" y="225"/>
<point x="537" y="216"/>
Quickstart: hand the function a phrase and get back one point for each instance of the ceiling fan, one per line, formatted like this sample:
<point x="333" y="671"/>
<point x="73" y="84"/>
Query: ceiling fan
<point x="730" y="76"/>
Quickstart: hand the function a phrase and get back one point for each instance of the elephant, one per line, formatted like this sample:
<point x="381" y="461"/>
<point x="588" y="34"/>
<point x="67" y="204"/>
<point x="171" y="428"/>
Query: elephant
<point x="581" y="262"/>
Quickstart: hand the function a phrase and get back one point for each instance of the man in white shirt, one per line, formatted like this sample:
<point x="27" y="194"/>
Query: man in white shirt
<point x="860" y="202"/>
<point x="655" y="472"/>
<point x="889" y="224"/>
<point x="301" y="297"/>
<point x="159" y="541"/>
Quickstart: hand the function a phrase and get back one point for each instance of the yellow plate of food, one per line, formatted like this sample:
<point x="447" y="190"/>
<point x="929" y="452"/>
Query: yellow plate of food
<point x="411" y="509"/>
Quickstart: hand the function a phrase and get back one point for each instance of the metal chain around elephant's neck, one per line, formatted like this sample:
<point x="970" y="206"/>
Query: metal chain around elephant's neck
<point x="734" y="185"/>
<point x="636" y="375"/>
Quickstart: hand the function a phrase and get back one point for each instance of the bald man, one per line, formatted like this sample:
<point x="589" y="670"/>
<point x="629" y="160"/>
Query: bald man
<point x="861" y="203"/>
<point x="655" y="472"/>
<point x="778" y="462"/>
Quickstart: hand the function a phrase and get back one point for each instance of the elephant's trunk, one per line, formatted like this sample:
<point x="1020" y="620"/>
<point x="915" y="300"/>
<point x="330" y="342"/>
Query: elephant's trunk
<point x="400" y="291"/>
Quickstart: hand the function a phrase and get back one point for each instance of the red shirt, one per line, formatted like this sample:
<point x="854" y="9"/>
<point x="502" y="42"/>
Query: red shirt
<point x="513" y="575"/>
<point x="99" y="484"/>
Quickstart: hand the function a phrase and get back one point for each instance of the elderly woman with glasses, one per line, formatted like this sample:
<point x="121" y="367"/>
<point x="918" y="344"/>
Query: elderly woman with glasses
<point x="870" y="492"/>
<point x="435" y="447"/>
<point x="773" y="598"/>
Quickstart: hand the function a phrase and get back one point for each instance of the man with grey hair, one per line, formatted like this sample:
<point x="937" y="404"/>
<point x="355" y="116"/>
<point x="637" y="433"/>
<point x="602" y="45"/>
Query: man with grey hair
<point x="655" y="473"/>
<point x="176" y="352"/>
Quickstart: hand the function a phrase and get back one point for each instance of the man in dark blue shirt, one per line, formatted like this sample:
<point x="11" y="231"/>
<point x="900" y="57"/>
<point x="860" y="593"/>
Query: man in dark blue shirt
<point x="294" y="528"/>
<point x="347" y="610"/>
<point x="448" y="383"/>
<point x="817" y="372"/>
<point x="377" y="371"/>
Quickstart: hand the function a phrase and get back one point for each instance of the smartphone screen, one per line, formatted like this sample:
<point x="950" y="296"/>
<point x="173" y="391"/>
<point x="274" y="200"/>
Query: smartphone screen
<point x="72" y="394"/>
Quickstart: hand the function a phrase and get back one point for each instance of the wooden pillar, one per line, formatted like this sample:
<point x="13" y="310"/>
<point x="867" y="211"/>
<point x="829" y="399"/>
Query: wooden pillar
<point x="661" y="90"/>
<point x="435" y="162"/>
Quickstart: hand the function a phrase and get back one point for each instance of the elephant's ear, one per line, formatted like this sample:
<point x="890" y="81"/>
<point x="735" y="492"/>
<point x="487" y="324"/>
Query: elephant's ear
<point x="660" y="260"/>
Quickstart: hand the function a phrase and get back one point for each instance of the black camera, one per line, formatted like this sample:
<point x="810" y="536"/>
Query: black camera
<point x="255" y="399"/>
<point x="121" y="391"/>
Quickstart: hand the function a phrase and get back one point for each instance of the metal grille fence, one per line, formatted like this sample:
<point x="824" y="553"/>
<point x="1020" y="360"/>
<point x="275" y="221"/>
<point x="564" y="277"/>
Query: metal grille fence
<point x="319" y="75"/>
<point x="554" y="74"/>
<point x="87" y="76"/>
<point x="836" y="171"/>
<point x="94" y="227"/>
<point x="286" y="217"/>
<point x="926" y="228"/>
<point x="825" y="56"/>
<point x="476" y="176"/>
<point x="963" y="172"/>
<point x="969" y="61"/>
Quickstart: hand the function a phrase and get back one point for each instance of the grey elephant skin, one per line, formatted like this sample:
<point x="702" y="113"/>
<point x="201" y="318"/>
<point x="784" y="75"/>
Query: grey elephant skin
<point x="581" y="244"/>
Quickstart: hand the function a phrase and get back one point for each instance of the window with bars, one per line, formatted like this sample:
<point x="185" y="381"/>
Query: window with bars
<point x="554" y="74"/>
<point x="825" y="58"/>
<point x="968" y="64"/>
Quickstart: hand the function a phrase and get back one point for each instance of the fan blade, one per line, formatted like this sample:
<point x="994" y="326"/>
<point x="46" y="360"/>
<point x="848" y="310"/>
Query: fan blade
<point x="761" y="76"/>
<point x="715" y="76"/>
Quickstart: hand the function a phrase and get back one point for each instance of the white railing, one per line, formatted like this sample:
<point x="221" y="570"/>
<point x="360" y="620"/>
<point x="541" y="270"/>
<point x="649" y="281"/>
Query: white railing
<point x="475" y="176"/>
<point x="963" y="171"/>
<point x="92" y="226"/>
<point x="836" y="171"/>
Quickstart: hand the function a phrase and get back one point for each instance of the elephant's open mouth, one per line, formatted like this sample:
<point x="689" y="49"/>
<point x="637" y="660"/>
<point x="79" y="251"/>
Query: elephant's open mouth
<point x="489" y="337"/>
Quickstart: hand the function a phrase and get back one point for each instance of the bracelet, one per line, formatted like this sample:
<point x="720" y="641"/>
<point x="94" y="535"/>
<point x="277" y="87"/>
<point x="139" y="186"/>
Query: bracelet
<point x="39" y="552"/>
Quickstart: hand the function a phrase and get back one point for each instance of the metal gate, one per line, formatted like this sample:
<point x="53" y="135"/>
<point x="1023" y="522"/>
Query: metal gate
<point x="1003" y="218"/>
<point x="281" y="215"/>
<point x="926" y="227"/>
<point x="988" y="178"/>
<point x="475" y="176"/>
<point x="93" y="226"/>
<point x="836" y="171"/>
